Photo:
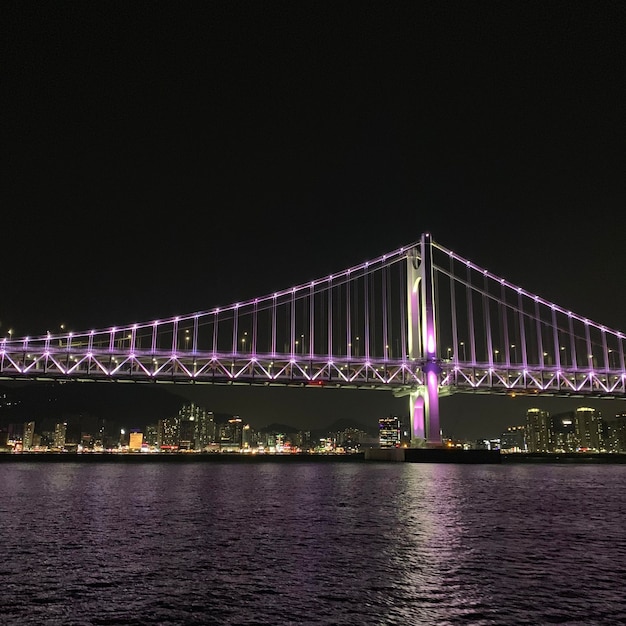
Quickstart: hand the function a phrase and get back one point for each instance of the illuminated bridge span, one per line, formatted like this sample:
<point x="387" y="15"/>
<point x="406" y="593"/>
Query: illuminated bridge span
<point x="420" y="321"/>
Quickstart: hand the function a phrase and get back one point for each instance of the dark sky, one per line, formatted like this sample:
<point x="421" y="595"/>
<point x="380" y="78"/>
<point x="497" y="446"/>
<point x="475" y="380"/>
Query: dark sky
<point x="162" y="158"/>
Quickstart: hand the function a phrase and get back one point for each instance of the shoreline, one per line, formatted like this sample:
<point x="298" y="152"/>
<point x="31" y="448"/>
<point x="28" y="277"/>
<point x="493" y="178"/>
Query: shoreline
<point x="414" y="455"/>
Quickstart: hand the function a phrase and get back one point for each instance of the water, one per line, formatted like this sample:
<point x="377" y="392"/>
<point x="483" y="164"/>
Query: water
<point x="312" y="543"/>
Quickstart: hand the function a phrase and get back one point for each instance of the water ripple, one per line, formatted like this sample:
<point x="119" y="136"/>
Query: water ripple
<point x="312" y="544"/>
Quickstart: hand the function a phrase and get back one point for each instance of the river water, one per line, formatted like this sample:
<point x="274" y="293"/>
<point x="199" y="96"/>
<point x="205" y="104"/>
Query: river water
<point x="312" y="543"/>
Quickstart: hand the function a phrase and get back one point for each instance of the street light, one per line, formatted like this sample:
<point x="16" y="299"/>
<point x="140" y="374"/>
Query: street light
<point x="514" y="348"/>
<point x="449" y="351"/>
<point x="495" y="355"/>
<point x="462" y="344"/>
<point x="611" y="358"/>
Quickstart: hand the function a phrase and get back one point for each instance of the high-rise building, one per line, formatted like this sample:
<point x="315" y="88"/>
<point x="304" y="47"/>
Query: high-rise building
<point x="151" y="435"/>
<point x="248" y="437"/>
<point x="59" y="435"/>
<point x="199" y="432"/>
<point x="389" y="432"/>
<point x="29" y="433"/>
<point x="538" y="437"/>
<point x="135" y="440"/>
<point x="589" y="428"/>
<point x="231" y="434"/>
<point x="168" y="434"/>
<point x="563" y="436"/>
<point x="615" y="433"/>
<point x="513" y="439"/>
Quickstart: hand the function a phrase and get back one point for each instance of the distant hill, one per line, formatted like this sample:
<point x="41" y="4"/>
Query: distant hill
<point x="344" y="424"/>
<point x="336" y="426"/>
<point x="278" y="428"/>
<point x="128" y="404"/>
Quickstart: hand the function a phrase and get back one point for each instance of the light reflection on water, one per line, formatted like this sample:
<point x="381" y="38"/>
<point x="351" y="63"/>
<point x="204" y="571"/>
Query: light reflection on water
<point x="312" y="543"/>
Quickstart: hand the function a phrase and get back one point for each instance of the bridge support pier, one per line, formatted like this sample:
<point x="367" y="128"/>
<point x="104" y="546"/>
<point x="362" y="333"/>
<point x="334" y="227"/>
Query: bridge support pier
<point x="424" y="401"/>
<point x="424" y="410"/>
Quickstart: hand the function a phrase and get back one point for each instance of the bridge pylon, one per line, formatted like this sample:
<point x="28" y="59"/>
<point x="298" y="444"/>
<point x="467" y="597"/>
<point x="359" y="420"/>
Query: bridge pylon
<point x="422" y="346"/>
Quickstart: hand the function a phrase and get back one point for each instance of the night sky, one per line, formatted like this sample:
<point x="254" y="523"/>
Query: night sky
<point x="164" y="158"/>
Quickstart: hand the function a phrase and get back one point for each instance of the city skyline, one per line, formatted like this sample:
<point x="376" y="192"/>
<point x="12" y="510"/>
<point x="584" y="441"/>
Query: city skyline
<point x="149" y="179"/>
<point x="193" y="427"/>
<point x="117" y="412"/>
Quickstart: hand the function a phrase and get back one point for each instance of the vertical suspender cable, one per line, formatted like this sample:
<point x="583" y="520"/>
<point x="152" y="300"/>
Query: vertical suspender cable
<point x="175" y="336"/>
<point x="215" y="329"/>
<point x="505" y="323"/>
<point x="255" y="325"/>
<point x="522" y="328"/>
<point x="367" y="314"/>
<point x="293" y="323"/>
<point x="589" y="349"/>
<point x="384" y="304"/>
<point x="455" y="329"/>
<point x="487" y="320"/>
<point x="470" y="315"/>
<point x="572" y="337"/>
<point x="330" y="318"/>
<point x="605" y="350"/>
<point x="539" y="335"/>
<point x="348" y="323"/>
<point x="195" y="334"/>
<point x="235" y="325"/>
<point x="557" y="346"/>
<point x="311" y="320"/>
<point x="403" y="323"/>
<point x="273" y="320"/>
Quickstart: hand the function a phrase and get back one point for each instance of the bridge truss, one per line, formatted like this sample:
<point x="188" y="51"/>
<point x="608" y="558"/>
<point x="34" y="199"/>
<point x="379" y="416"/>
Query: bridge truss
<point x="365" y="328"/>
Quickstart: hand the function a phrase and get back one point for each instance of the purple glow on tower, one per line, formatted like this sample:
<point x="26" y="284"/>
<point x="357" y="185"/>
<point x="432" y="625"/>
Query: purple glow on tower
<point x="418" y="418"/>
<point x="431" y="344"/>
<point x="433" y="407"/>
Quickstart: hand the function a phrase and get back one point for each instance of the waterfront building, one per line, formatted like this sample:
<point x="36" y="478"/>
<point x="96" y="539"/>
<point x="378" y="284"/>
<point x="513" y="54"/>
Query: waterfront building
<point x="205" y="429"/>
<point x="29" y="433"/>
<point x="135" y="441"/>
<point x="231" y="435"/>
<point x="197" y="427"/>
<point x="487" y="444"/>
<point x="513" y="439"/>
<point x="151" y="435"/>
<point x="167" y="438"/>
<point x="303" y="440"/>
<point x="589" y="428"/>
<point x="389" y="432"/>
<point x="187" y="433"/>
<point x="538" y="436"/>
<point x="563" y="435"/>
<point x="614" y="433"/>
<point x="352" y="439"/>
<point x="249" y="438"/>
<point x="60" y="430"/>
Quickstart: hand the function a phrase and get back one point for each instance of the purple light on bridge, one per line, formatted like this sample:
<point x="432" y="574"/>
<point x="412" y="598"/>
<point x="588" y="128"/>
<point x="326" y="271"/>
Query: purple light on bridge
<point x="418" y="418"/>
<point x="431" y="344"/>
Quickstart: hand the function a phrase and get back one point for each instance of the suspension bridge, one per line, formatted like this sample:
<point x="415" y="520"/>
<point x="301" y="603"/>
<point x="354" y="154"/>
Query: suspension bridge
<point x="420" y="321"/>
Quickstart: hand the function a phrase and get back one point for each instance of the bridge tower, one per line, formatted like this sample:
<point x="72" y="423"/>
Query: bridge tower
<point x="422" y="346"/>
